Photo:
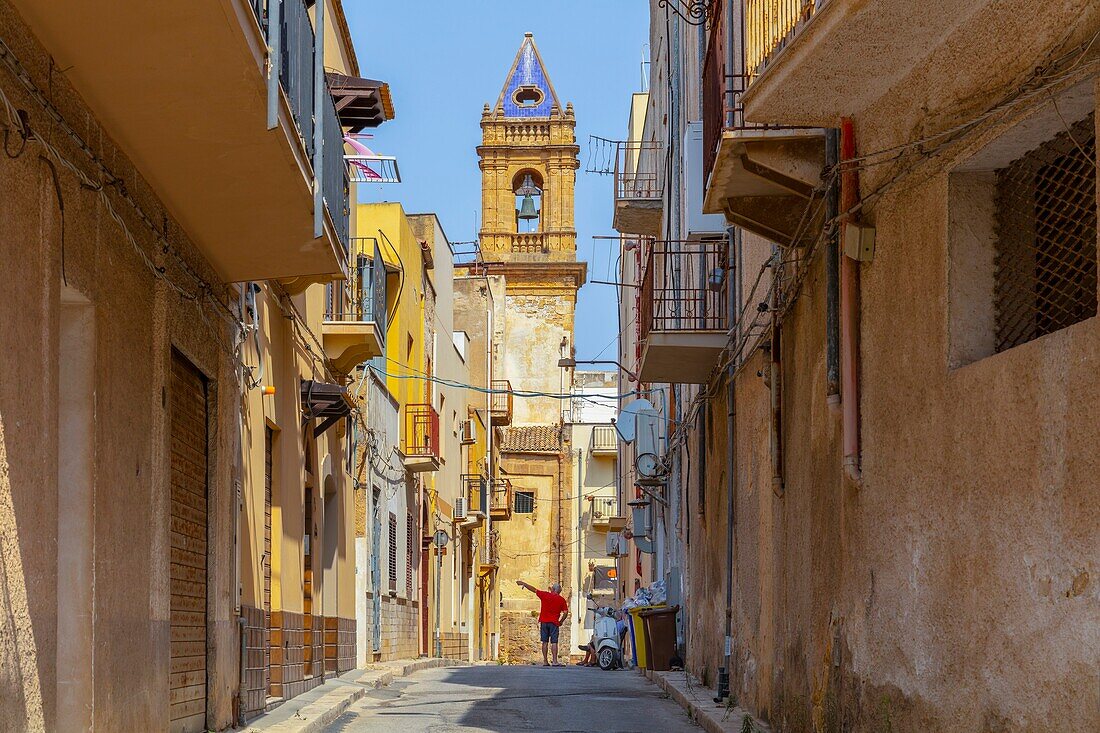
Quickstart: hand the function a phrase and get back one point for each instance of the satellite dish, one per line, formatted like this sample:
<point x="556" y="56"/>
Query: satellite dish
<point x="627" y="423"/>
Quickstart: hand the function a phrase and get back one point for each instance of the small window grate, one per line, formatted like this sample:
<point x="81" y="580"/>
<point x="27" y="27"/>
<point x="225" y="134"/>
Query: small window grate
<point x="525" y="502"/>
<point x="1046" y="238"/>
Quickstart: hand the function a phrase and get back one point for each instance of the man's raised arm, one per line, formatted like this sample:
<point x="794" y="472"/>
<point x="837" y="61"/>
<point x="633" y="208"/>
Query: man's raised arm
<point x="528" y="586"/>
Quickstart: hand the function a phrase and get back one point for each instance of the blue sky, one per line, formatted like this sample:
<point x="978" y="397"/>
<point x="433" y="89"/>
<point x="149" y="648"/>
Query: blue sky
<point x="444" y="59"/>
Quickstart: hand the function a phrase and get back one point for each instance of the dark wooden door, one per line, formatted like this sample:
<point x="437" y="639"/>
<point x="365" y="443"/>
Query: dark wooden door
<point x="188" y="538"/>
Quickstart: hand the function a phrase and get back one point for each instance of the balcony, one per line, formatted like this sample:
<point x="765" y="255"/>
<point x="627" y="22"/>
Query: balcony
<point x="763" y="177"/>
<point x="812" y="57"/>
<point x="605" y="441"/>
<point x="168" y="81"/>
<point x="500" y="500"/>
<point x="683" y="311"/>
<point x="354" y="329"/>
<point x="639" y="188"/>
<point x="473" y="488"/>
<point x="421" y="445"/>
<point x="500" y="408"/>
<point x="493" y="554"/>
<point x="604" y="514"/>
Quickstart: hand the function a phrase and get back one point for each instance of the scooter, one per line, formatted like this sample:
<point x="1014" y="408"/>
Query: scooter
<point x="609" y="653"/>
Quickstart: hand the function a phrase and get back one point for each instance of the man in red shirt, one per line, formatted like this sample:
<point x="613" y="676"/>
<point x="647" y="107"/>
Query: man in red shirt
<point x="554" y="611"/>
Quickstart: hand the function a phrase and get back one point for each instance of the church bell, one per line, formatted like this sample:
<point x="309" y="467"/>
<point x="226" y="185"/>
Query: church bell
<point x="527" y="209"/>
<point x="527" y="205"/>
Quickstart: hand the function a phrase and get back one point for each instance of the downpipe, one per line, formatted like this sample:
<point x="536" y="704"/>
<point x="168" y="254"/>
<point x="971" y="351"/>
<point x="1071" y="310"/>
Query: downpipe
<point x="731" y="472"/>
<point x="849" y="312"/>
<point x="832" y="280"/>
<point x="775" y="388"/>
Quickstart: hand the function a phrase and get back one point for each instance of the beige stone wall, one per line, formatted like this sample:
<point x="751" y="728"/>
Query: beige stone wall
<point x="120" y="569"/>
<point x="400" y="619"/>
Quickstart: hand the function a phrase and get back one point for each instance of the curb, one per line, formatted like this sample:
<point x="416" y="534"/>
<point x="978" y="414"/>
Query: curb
<point x="710" y="716"/>
<point x="313" y="717"/>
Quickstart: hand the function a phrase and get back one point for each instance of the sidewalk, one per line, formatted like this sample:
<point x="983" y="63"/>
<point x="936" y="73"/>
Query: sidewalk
<point x="699" y="703"/>
<point x="313" y="710"/>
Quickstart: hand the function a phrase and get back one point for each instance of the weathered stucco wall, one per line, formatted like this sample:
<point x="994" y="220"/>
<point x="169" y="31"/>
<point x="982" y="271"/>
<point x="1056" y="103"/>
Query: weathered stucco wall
<point x="955" y="590"/>
<point x="532" y="551"/>
<point x="135" y="323"/>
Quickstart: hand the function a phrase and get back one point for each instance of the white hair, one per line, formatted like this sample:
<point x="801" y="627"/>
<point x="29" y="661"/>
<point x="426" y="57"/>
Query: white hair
<point x="556" y="587"/>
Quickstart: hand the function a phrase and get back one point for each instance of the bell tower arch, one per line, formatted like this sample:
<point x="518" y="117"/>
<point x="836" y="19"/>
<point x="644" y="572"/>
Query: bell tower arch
<point x="529" y="159"/>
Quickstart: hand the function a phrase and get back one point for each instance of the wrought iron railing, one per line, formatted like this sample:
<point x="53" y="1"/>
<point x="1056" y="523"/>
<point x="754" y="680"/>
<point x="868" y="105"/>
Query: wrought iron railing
<point x="500" y="406"/>
<point x="770" y="25"/>
<point x="500" y="499"/>
<point x="605" y="439"/>
<point x="364" y="168"/>
<point x="362" y="297"/>
<point x="638" y="169"/>
<point x="684" y="288"/>
<point x="421" y="431"/>
<point x="296" y="71"/>
<point x="473" y="488"/>
<point x="604" y="507"/>
<point x="494" y="548"/>
<point x="259" y="7"/>
<point x="334" y="178"/>
<point x="723" y="86"/>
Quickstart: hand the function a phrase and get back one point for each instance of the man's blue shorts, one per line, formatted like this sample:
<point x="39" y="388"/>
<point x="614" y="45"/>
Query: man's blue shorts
<point x="548" y="632"/>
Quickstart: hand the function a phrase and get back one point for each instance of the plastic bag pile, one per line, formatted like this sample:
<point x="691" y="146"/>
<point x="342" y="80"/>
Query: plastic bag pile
<point x="652" y="595"/>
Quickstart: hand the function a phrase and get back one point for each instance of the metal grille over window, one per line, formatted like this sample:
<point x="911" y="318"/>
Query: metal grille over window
<point x="525" y="502"/>
<point x="1046" y="238"/>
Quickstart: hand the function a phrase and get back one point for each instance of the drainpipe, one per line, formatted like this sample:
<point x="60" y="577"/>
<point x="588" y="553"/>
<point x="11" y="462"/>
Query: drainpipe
<point x="319" y="92"/>
<point x="578" y="616"/>
<point x="489" y="468"/>
<point x="775" y="384"/>
<point x="734" y="236"/>
<point x="832" y="280"/>
<point x="849" y="314"/>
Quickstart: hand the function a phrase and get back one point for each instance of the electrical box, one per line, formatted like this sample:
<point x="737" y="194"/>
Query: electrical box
<point x="859" y="242"/>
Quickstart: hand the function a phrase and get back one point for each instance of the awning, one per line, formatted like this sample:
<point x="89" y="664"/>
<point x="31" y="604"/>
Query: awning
<point x="360" y="103"/>
<point x="324" y="401"/>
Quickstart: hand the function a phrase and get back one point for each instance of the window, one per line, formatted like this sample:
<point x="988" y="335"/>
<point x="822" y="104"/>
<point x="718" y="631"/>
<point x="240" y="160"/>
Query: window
<point x="1045" y="261"/>
<point x="393" y="551"/>
<point x="1022" y="245"/>
<point x="524" y="502"/>
<point x="527" y="96"/>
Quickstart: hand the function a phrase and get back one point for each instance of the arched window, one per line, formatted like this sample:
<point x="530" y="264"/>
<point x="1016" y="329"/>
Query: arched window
<point x="527" y="187"/>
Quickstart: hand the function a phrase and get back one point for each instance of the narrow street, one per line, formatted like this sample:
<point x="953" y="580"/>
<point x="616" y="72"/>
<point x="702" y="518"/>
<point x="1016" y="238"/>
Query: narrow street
<point x="514" y="698"/>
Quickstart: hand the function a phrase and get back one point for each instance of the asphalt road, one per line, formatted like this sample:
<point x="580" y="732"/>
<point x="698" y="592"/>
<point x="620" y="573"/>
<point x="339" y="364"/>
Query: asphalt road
<point x="516" y="698"/>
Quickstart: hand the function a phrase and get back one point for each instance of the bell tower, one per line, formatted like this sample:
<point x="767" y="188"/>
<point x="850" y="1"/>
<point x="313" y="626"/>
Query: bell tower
<point x="529" y="161"/>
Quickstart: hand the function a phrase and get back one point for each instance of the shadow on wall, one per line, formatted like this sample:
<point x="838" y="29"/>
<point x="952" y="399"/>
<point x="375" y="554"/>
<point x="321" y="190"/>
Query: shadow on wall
<point x="20" y="686"/>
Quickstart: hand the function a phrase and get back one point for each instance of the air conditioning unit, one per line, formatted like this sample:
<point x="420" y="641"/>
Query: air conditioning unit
<point x="616" y="544"/>
<point x="460" y="508"/>
<point x="467" y="431"/>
